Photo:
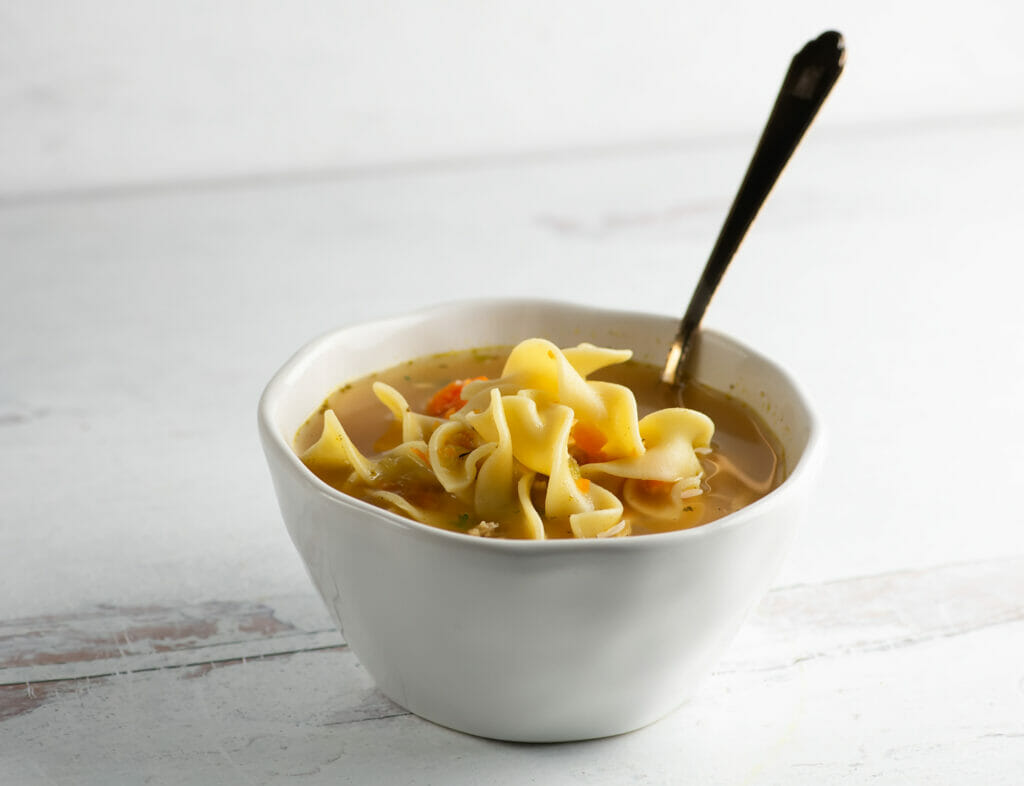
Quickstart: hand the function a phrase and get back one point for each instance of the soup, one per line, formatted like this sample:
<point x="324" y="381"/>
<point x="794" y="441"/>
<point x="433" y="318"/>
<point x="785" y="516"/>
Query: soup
<point x="408" y="441"/>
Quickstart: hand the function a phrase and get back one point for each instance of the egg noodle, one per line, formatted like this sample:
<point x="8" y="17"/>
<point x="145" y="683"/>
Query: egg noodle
<point x="538" y="443"/>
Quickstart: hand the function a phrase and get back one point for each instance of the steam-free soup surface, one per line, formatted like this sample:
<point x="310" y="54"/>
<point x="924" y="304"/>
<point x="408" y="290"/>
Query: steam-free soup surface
<point x="744" y="464"/>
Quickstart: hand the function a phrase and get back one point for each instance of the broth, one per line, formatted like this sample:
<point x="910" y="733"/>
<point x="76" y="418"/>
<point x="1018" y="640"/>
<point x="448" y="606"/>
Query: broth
<point x="744" y="464"/>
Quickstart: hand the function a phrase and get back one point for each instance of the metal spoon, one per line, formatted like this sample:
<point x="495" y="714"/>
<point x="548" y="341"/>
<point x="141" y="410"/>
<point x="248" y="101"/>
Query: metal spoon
<point x="811" y="75"/>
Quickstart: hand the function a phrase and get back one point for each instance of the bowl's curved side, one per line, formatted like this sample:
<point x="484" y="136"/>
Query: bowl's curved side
<point x="538" y="646"/>
<point x="522" y="640"/>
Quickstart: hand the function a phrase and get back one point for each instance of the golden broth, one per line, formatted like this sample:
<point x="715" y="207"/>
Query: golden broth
<point x="744" y="464"/>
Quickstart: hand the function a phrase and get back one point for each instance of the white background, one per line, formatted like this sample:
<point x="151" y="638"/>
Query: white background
<point x="125" y="92"/>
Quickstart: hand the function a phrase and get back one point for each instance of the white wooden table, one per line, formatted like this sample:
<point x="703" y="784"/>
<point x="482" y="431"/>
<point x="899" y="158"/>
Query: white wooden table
<point x="155" y="622"/>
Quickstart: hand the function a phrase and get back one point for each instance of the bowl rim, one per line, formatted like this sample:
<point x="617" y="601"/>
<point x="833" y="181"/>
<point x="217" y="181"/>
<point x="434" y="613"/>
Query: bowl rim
<point x="273" y="441"/>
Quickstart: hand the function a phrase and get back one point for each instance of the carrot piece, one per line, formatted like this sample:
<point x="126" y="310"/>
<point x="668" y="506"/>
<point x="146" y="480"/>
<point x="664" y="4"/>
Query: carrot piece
<point x="448" y="400"/>
<point x="583" y="484"/>
<point x="420" y="454"/>
<point x="590" y="440"/>
<point x="656" y="486"/>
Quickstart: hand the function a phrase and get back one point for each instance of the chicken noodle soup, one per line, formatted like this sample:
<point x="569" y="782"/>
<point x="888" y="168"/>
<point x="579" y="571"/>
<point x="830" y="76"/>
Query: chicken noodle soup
<point x="540" y="442"/>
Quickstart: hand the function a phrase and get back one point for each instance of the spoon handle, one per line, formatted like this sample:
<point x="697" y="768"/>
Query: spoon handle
<point x="812" y="73"/>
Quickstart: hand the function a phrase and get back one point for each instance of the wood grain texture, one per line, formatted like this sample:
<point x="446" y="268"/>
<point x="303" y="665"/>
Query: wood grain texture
<point x="233" y="692"/>
<point x="124" y="631"/>
<point x="168" y="311"/>
<point x="791" y="625"/>
<point x="114" y="640"/>
<point x="156" y="624"/>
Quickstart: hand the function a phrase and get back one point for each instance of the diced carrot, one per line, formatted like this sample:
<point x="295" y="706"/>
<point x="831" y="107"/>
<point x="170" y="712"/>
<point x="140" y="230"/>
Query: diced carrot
<point x="589" y="440"/>
<point x="583" y="484"/>
<point x="656" y="486"/>
<point x="419" y="453"/>
<point x="448" y="400"/>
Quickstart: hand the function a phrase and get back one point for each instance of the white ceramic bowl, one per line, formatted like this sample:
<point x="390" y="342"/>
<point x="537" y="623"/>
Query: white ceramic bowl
<point x="525" y="640"/>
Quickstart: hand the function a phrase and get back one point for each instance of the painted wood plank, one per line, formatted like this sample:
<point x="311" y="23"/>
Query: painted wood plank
<point x="172" y="309"/>
<point x="42" y="657"/>
<point x="116" y="639"/>
<point x="110" y="631"/>
<point x="914" y="710"/>
<point x="906" y="676"/>
<point x="877" y="613"/>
